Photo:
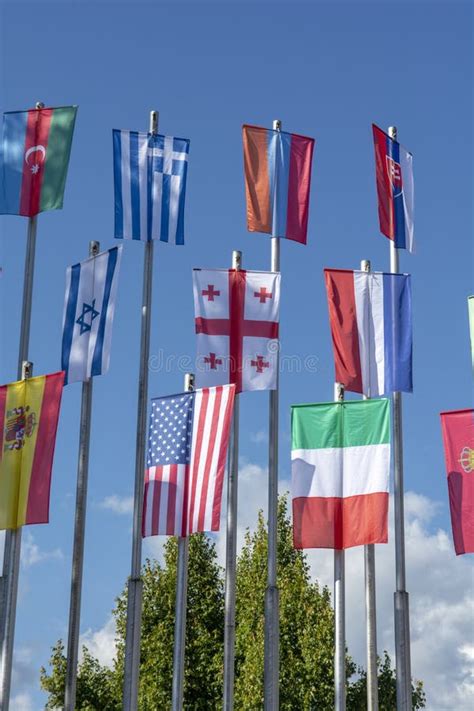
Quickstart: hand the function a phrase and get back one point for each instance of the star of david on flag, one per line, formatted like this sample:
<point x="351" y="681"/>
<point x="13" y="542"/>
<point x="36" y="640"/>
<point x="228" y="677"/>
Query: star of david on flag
<point x="91" y="288"/>
<point x="237" y="322"/>
<point x="150" y="173"/>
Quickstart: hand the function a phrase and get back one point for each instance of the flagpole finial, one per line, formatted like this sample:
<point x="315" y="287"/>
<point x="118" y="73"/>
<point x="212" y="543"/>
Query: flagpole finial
<point x="338" y="392"/>
<point x="392" y="132"/>
<point x="365" y="265"/>
<point x="154" y="122"/>
<point x="39" y="105"/>
<point x="236" y="259"/>
<point x="277" y="125"/>
<point x="27" y="369"/>
<point x="94" y="248"/>
<point x="189" y="382"/>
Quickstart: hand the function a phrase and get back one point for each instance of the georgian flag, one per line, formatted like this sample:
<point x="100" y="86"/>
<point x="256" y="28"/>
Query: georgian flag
<point x="91" y="288"/>
<point x="237" y="323"/>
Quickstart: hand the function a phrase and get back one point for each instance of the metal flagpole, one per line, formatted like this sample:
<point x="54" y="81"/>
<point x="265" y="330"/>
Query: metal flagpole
<point x="370" y="605"/>
<point x="339" y="610"/>
<point x="272" y="621"/>
<point x="402" y="619"/>
<point x="134" y="597"/>
<point x="231" y="546"/>
<point x="79" y="534"/>
<point x="181" y="604"/>
<point x="11" y="561"/>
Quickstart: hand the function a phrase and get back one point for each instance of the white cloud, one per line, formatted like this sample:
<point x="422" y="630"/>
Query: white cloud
<point x="259" y="437"/>
<point x="118" y="504"/>
<point x="441" y="607"/>
<point x="21" y="702"/>
<point x="32" y="554"/>
<point x="101" y="644"/>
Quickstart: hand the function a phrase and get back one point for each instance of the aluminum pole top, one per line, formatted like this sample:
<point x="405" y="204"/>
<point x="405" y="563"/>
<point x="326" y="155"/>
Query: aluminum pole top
<point x="154" y="122"/>
<point x="189" y="381"/>
<point x="94" y="248"/>
<point x="338" y="392"/>
<point x="392" y="132"/>
<point x="277" y="124"/>
<point x="365" y="265"/>
<point x="39" y="105"/>
<point x="236" y="259"/>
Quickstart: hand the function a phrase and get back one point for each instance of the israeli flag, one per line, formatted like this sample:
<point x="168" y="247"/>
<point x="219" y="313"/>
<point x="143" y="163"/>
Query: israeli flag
<point x="91" y="288"/>
<point x="150" y="186"/>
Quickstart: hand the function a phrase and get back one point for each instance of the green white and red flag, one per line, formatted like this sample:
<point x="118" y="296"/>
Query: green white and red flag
<point x="340" y="473"/>
<point x="36" y="146"/>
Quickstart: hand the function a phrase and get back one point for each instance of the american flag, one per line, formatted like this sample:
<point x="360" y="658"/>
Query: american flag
<point x="187" y="448"/>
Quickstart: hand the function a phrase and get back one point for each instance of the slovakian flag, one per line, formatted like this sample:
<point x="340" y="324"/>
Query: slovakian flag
<point x="395" y="190"/>
<point x="237" y="323"/>
<point x="340" y="459"/>
<point x="371" y="327"/>
<point x="89" y="306"/>
<point x="36" y="146"/>
<point x="29" y="412"/>
<point x="150" y="172"/>
<point x="458" y="439"/>
<point x="277" y="182"/>
<point x="187" y="450"/>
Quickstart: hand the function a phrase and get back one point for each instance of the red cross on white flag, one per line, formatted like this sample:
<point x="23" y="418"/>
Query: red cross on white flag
<point x="237" y="329"/>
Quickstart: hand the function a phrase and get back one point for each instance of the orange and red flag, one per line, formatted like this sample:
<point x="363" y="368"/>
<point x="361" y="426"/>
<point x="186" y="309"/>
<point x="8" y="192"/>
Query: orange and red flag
<point x="29" y="413"/>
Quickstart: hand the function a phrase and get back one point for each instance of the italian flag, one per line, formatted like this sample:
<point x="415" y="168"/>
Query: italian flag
<point x="340" y="473"/>
<point x="35" y="158"/>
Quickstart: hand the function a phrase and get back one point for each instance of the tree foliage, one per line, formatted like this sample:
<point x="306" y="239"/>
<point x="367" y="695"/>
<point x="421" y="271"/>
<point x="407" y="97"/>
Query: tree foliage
<point x="306" y="637"/>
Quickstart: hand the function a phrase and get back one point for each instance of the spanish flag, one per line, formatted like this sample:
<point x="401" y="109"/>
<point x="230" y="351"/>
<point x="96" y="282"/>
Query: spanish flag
<point x="29" y="413"/>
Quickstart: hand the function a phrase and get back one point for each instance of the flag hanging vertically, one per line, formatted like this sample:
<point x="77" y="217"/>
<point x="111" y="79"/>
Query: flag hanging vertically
<point x="36" y="146"/>
<point x="89" y="305"/>
<point x="237" y="320"/>
<point x="150" y="186"/>
<point x="187" y="449"/>
<point x="395" y="190"/>
<point x="470" y="306"/>
<point x="277" y="182"/>
<point x="458" y="438"/>
<point x="340" y="473"/>
<point x="29" y="412"/>
<point x="371" y="326"/>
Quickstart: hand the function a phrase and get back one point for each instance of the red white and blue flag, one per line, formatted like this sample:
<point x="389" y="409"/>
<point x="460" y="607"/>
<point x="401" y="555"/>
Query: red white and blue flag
<point x="237" y="322"/>
<point x="187" y="450"/>
<point x="371" y="328"/>
<point x="277" y="182"/>
<point x="395" y="191"/>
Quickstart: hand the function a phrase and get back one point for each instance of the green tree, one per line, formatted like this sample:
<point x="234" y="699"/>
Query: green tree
<point x="387" y="683"/>
<point x="306" y="637"/>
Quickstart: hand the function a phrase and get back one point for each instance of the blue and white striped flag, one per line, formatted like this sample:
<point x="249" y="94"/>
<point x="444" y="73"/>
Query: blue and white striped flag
<point x="150" y="186"/>
<point x="91" y="288"/>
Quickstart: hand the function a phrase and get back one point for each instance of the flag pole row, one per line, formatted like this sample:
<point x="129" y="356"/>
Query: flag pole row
<point x="237" y="319"/>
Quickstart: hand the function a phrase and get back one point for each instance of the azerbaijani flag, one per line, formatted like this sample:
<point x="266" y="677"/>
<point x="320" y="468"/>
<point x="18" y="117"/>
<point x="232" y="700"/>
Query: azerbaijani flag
<point x="35" y="155"/>
<point x="29" y="412"/>
<point x="394" y="176"/>
<point x="371" y="328"/>
<point x="340" y="456"/>
<point x="277" y="182"/>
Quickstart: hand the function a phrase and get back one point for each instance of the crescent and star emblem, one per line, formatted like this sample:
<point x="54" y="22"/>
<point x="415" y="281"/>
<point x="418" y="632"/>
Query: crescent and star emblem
<point x="41" y="150"/>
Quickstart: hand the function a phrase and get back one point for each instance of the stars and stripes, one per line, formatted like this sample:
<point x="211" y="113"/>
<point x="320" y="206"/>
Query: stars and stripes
<point x="89" y="305"/>
<point x="187" y="448"/>
<point x="237" y="323"/>
<point x="150" y="186"/>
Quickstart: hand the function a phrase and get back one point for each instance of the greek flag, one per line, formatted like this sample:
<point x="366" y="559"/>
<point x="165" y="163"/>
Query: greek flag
<point x="150" y="186"/>
<point x="91" y="288"/>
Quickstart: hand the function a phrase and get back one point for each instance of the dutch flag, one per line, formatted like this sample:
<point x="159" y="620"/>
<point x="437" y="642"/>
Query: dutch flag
<point x="91" y="288"/>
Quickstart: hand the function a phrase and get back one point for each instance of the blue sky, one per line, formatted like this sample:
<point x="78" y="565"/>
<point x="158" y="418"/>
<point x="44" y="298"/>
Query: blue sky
<point x="326" y="70"/>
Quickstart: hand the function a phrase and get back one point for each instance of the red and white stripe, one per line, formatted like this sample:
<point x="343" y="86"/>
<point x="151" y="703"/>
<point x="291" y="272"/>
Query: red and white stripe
<point x="181" y="498"/>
